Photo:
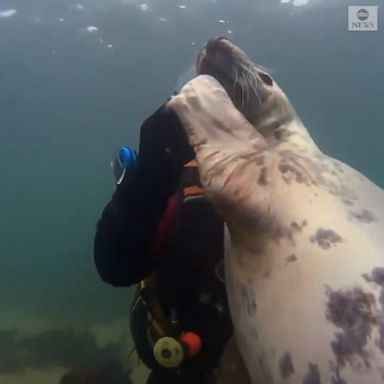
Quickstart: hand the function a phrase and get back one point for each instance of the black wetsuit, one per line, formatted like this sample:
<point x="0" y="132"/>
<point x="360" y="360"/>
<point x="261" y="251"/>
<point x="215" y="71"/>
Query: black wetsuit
<point x="188" y="280"/>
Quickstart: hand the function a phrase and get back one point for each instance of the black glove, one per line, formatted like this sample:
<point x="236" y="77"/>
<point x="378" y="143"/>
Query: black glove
<point x="163" y="150"/>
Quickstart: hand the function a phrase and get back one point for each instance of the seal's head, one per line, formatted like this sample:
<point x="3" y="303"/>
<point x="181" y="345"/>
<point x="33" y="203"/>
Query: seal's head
<point x="252" y="90"/>
<point x="240" y="124"/>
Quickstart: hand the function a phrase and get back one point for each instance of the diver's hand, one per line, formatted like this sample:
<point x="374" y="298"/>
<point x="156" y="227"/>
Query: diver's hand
<point x="141" y="197"/>
<point x="162" y="137"/>
<point x="163" y="150"/>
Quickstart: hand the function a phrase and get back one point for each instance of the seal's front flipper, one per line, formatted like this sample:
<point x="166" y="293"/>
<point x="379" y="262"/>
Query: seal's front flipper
<point x="210" y="118"/>
<point x="232" y="369"/>
<point x="228" y="148"/>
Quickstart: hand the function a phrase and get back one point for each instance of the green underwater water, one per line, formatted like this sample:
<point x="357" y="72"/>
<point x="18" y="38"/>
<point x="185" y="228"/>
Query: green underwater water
<point x="70" y="97"/>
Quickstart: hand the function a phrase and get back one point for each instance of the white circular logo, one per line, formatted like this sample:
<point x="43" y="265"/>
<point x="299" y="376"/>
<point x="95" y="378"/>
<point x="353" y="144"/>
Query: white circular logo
<point x="362" y="14"/>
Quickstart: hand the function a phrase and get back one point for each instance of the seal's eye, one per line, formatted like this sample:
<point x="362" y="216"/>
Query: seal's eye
<point x="266" y="79"/>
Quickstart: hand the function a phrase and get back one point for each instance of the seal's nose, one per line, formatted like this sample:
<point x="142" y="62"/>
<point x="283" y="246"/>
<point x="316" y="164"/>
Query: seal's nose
<point x="214" y="44"/>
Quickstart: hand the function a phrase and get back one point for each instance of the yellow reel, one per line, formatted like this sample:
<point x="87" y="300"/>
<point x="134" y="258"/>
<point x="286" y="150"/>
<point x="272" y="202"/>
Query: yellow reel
<point x="168" y="352"/>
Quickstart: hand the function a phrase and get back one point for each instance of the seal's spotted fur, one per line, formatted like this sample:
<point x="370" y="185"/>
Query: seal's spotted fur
<point x="305" y="250"/>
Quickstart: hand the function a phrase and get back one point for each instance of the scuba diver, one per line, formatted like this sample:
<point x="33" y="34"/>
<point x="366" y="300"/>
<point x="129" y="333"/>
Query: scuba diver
<point x="159" y="232"/>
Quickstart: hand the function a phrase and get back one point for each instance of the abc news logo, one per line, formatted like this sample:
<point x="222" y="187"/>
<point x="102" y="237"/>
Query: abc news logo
<point x="362" y="18"/>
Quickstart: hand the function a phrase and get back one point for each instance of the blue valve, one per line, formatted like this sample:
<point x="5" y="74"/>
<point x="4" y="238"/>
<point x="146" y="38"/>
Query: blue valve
<point x="124" y="163"/>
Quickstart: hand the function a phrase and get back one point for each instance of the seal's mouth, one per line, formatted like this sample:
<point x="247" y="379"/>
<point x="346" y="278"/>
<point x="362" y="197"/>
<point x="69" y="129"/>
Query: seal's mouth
<point x="242" y="79"/>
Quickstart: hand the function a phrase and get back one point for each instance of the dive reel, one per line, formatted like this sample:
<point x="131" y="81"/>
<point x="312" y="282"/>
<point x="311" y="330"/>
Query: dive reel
<point x="170" y="352"/>
<point x="167" y="344"/>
